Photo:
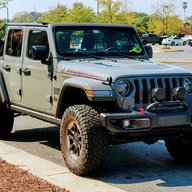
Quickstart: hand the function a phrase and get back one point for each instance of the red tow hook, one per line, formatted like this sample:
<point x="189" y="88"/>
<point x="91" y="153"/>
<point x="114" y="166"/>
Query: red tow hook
<point x="142" y="110"/>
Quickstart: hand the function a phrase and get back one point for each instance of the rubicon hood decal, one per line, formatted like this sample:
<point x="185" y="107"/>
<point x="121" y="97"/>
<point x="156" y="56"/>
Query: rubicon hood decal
<point x="85" y="74"/>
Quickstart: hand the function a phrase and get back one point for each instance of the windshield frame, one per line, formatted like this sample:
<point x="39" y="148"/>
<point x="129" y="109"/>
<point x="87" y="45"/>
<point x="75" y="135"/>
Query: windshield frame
<point x="74" y="52"/>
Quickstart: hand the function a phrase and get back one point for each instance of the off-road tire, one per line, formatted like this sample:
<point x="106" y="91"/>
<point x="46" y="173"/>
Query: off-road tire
<point x="83" y="140"/>
<point x="179" y="148"/>
<point x="6" y="122"/>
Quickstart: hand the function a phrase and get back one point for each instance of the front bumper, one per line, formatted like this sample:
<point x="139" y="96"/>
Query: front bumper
<point x="147" y="122"/>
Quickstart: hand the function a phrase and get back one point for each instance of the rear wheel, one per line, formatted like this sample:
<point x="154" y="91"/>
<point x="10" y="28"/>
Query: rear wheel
<point x="172" y="43"/>
<point x="6" y="122"/>
<point x="144" y="42"/>
<point x="184" y="43"/>
<point x="180" y="148"/>
<point x="83" y="140"/>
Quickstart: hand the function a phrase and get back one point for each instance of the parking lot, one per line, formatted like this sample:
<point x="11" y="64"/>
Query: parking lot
<point x="134" y="167"/>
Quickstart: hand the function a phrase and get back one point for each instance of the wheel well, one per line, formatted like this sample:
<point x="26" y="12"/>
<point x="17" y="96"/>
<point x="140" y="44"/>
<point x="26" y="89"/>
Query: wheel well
<point x="71" y="96"/>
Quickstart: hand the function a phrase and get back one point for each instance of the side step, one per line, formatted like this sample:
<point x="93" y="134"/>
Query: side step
<point x="36" y="114"/>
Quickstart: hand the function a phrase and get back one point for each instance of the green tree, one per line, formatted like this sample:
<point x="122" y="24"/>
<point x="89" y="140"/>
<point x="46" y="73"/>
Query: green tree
<point x="109" y="11"/>
<point x="189" y="19"/>
<point x="80" y="14"/>
<point x="22" y="17"/>
<point x="165" y="20"/>
<point x="2" y="32"/>
<point x="56" y="14"/>
<point x="126" y="18"/>
<point x="174" y="25"/>
<point x="155" y="24"/>
<point x="142" y="20"/>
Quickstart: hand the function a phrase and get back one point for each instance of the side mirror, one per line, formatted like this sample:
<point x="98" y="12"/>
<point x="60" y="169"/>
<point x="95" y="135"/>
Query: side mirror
<point x="39" y="52"/>
<point x="149" y="50"/>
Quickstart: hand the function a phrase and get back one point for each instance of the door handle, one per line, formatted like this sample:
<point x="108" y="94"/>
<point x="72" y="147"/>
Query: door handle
<point x="7" y="68"/>
<point x="26" y="72"/>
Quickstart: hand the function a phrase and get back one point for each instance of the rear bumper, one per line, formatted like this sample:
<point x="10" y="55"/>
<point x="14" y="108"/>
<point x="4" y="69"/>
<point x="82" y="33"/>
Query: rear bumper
<point x="147" y="122"/>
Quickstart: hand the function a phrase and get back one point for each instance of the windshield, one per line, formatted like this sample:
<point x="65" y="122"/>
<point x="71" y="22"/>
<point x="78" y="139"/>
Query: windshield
<point x="86" y="41"/>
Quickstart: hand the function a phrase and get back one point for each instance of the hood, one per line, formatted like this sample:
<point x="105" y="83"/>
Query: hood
<point x="103" y="69"/>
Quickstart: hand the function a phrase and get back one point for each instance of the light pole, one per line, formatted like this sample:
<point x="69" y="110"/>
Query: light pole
<point x="165" y="17"/>
<point x="98" y="6"/>
<point x="184" y="5"/>
<point x="4" y="4"/>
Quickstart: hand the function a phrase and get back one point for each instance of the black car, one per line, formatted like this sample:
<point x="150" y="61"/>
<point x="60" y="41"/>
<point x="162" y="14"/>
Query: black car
<point x="151" y="38"/>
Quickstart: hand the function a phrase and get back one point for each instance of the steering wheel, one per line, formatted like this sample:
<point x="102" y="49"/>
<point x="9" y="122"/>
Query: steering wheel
<point x="111" y="49"/>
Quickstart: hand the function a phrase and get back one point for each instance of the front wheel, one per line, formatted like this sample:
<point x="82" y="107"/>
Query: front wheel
<point x="180" y="148"/>
<point x="83" y="140"/>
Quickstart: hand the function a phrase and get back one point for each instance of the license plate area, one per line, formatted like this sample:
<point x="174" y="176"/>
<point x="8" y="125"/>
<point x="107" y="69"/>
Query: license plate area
<point x="172" y="121"/>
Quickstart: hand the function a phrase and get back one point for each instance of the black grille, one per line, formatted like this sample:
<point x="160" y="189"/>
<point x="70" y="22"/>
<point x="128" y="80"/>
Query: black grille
<point x="143" y="88"/>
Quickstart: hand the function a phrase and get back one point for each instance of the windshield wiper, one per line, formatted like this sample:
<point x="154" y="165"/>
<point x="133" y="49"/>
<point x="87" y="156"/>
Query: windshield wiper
<point x="86" y="54"/>
<point x="69" y="55"/>
<point x="119" y="54"/>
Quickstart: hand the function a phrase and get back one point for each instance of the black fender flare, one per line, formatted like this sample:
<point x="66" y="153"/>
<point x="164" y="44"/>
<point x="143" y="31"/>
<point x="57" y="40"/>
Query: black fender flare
<point x="83" y="84"/>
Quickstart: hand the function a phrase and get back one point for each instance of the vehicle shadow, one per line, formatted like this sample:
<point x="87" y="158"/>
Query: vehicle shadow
<point x="45" y="135"/>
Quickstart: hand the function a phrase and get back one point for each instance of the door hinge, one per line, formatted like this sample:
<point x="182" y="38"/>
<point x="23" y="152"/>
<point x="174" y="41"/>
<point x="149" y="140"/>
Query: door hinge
<point x="49" y="98"/>
<point x="19" y="92"/>
<point x="19" y="71"/>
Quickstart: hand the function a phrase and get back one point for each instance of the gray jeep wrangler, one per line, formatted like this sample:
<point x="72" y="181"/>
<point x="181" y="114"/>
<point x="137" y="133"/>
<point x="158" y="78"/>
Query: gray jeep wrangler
<point x="97" y="83"/>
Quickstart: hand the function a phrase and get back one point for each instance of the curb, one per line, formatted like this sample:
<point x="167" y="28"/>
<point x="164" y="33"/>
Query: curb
<point x="168" y="50"/>
<point x="52" y="172"/>
<point x="172" y="61"/>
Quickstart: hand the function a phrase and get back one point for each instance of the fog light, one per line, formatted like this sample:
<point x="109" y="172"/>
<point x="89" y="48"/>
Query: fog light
<point x="158" y="94"/>
<point x="179" y="93"/>
<point x="126" y="123"/>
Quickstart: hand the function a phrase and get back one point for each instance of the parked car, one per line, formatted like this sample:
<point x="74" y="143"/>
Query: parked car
<point x="174" y="40"/>
<point x="187" y="38"/>
<point x="190" y="42"/>
<point x="151" y="38"/>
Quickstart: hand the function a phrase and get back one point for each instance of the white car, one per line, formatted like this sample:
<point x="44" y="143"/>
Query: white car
<point x="174" y="40"/>
<point x="187" y="38"/>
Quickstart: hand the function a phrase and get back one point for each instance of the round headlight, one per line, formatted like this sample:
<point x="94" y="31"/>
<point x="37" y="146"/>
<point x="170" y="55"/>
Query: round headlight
<point x="123" y="88"/>
<point x="187" y="84"/>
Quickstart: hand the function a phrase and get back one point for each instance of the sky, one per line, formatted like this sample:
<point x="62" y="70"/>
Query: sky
<point x="44" y="5"/>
